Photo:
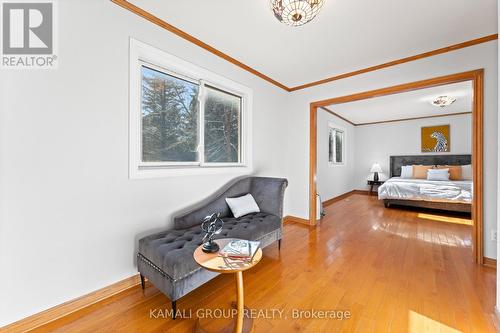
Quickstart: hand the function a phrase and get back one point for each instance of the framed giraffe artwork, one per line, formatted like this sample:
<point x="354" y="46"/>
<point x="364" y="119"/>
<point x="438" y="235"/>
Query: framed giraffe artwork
<point x="436" y="139"/>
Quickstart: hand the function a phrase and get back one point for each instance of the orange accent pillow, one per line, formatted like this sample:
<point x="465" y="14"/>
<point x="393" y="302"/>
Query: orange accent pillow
<point x="420" y="171"/>
<point x="455" y="171"/>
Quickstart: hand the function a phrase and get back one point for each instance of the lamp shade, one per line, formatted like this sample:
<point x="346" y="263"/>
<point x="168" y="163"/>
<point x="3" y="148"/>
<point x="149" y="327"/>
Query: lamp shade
<point x="295" y="12"/>
<point x="376" y="168"/>
<point x="381" y="176"/>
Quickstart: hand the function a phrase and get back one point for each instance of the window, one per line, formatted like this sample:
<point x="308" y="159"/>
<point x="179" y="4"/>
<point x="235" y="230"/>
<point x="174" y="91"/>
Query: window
<point x="222" y="113"/>
<point x="336" y="146"/>
<point x="169" y="108"/>
<point x="184" y="118"/>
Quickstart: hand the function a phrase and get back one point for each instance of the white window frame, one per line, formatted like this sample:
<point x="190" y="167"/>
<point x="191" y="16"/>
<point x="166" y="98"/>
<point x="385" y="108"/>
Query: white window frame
<point x="144" y="54"/>
<point x="344" y="144"/>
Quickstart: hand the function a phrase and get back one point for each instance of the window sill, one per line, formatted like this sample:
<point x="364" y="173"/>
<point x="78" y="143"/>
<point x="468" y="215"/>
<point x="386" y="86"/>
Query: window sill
<point x="175" y="171"/>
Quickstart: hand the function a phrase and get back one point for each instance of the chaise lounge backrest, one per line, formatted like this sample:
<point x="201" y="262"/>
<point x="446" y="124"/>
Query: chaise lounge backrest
<point x="268" y="193"/>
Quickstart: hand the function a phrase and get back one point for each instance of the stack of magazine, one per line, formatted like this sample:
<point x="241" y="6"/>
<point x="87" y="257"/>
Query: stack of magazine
<point x="240" y="249"/>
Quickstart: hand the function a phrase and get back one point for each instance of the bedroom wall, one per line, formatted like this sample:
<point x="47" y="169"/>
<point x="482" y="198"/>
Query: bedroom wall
<point x="334" y="180"/>
<point x="70" y="217"/>
<point x="498" y="179"/>
<point x="377" y="142"/>
<point x="480" y="56"/>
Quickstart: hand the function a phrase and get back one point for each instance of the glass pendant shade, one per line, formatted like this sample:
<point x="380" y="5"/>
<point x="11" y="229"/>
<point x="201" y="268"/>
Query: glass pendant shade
<point x="443" y="101"/>
<point x="295" y="12"/>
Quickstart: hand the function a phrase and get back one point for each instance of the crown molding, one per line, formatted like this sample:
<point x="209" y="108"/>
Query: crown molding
<point x="184" y="35"/>
<point x="419" y="56"/>
<point x="324" y="108"/>
<point x="391" y="120"/>
<point x="413" y="118"/>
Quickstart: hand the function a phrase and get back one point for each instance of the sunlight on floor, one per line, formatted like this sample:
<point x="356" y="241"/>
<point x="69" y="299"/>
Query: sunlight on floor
<point x="418" y="323"/>
<point x="424" y="236"/>
<point x="447" y="219"/>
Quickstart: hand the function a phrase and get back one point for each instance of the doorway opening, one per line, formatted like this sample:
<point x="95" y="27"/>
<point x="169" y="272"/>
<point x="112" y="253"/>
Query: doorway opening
<point x="476" y="79"/>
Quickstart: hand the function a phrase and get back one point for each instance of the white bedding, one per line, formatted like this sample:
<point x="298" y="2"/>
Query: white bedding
<point x="427" y="190"/>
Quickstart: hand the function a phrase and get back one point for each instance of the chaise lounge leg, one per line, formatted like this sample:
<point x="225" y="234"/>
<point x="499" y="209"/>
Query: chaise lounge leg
<point x="143" y="283"/>
<point x="279" y="244"/>
<point x="174" y="309"/>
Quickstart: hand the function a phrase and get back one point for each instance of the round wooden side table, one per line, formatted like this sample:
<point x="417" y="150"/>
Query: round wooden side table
<point x="215" y="263"/>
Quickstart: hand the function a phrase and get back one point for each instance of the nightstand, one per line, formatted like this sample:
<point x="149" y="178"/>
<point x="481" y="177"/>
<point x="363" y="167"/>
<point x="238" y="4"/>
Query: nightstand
<point x="374" y="183"/>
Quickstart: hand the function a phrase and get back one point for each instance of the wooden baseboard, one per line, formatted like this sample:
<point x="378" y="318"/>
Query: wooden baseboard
<point x="343" y="196"/>
<point x="64" y="309"/>
<point x="489" y="262"/>
<point x="363" y="192"/>
<point x="294" y="219"/>
<point x="337" y="198"/>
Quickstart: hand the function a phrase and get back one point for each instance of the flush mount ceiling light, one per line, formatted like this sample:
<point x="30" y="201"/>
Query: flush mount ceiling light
<point x="295" y="12"/>
<point x="443" y="101"/>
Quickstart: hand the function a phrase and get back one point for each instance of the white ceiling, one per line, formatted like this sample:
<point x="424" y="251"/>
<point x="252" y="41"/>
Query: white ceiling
<point x="346" y="35"/>
<point x="406" y="105"/>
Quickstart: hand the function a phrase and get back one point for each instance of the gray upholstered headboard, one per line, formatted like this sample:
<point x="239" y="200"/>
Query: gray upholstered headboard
<point x="398" y="161"/>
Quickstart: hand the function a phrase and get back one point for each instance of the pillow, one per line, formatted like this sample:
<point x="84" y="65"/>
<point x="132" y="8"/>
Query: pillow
<point x="420" y="171"/>
<point x="242" y="205"/>
<point x="406" y="171"/>
<point x="467" y="172"/>
<point x="455" y="171"/>
<point x="438" y="174"/>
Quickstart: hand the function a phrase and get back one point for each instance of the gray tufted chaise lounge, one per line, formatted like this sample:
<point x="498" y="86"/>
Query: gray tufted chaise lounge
<point x="166" y="258"/>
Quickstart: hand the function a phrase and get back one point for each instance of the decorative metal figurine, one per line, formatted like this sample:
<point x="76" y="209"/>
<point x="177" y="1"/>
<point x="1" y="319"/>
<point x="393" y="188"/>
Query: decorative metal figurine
<point x="212" y="225"/>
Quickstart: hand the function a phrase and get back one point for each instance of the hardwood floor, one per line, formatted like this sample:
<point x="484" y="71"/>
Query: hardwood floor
<point x="393" y="270"/>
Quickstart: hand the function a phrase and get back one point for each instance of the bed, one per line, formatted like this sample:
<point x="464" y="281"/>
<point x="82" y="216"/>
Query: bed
<point x="453" y="195"/>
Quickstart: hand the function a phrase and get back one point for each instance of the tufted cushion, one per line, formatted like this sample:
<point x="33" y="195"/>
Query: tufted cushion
<point x="267" y="192"/>
<point x="172" y="250"/>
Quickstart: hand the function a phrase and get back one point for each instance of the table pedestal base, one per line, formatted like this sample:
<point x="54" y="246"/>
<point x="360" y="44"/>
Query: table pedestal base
<point x="215" y="263"/>
<point x="229" y="328"/>
<point x="247" y="324"/>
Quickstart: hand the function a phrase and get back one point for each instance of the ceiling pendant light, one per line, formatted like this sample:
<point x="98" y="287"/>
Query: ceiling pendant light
<point x="443" y="101"/>
<point x="295" y="12"/>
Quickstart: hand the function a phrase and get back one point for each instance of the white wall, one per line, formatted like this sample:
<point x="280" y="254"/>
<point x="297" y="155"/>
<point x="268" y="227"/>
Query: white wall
<point x="480" y="56"/>
<point x="498" y="179"/>
<point x="334" y="180"/>
<point x="375" y="143"/>
<point x="70" y="217"/>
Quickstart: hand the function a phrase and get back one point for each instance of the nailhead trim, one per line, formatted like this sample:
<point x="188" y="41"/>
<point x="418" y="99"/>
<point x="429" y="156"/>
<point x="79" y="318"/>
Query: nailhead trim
<point x="159" y="270"/>
<point x="156" y="268"/>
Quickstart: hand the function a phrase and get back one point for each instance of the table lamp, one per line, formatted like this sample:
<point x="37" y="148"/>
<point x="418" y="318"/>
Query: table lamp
<point x="376" y="169"/>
